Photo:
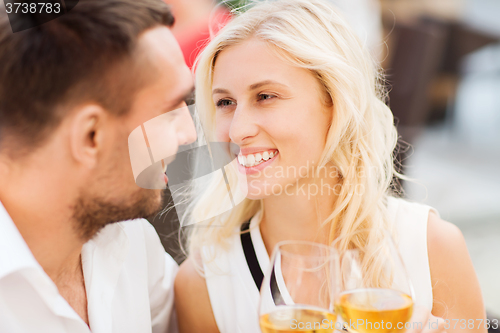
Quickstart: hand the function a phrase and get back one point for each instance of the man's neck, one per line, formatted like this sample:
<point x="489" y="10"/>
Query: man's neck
<point x="47" y="230"/>
<point x="40" y="204"/>
<point x="71" y="286"/>
<point x="39" y="200"/>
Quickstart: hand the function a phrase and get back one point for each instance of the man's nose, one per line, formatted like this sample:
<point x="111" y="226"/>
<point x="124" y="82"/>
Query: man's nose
<point x="243" y="125"/>
<point x="186" y="131"/>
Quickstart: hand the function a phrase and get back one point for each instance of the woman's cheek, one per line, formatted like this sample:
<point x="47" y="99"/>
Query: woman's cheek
<point x="222" y="130"/>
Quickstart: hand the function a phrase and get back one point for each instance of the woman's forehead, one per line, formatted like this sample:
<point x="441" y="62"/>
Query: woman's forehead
<point x="254" y="61"/>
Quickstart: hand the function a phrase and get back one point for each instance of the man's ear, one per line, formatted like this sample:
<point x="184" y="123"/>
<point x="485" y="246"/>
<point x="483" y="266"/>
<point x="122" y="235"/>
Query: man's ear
<point x="86" y="136"/>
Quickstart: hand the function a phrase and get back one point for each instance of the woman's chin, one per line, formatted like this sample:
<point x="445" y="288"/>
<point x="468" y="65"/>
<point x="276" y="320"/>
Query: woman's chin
<point x="256" y="194"/>
<point x="255" y="197"/>
<point x="258" y="191"/>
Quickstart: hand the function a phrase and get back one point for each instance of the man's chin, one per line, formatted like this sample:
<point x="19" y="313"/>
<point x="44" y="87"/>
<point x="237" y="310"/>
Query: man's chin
<point x="150" y="201"/>
<point x="155" y="202"/>
<point x="91" y="214"/>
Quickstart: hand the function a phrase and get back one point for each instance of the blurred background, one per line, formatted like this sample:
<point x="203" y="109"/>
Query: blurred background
<point x="442" y="65"/>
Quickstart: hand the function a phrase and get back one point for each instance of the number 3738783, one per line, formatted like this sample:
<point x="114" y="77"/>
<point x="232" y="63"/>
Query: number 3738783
<point x="471" y="323"/>
<point x="33" y="8"/>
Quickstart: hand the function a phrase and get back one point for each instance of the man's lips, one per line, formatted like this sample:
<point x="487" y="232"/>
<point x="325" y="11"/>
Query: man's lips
<point x="164" y="165"/>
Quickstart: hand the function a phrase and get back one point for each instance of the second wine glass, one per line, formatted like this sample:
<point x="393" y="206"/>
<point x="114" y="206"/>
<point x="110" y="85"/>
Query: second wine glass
<point x="373" y="291"/>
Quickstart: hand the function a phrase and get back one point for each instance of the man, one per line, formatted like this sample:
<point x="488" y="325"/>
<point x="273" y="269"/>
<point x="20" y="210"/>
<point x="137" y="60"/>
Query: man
<point x="71" y="91"/>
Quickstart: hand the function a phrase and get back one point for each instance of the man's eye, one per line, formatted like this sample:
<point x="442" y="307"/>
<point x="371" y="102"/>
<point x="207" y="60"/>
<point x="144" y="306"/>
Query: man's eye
<point x="224" y="103"/>
<point x="190" y="99"/>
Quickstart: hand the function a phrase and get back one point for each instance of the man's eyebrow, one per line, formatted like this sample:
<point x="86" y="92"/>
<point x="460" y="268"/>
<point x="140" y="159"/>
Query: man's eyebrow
<point x="187" y="97"/>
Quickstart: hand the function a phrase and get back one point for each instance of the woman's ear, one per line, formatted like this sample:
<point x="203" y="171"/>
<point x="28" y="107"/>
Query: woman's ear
<point x="86" y="134"/>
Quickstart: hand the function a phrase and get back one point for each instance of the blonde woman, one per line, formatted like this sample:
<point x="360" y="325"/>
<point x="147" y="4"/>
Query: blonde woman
<point x="290" y="84"/>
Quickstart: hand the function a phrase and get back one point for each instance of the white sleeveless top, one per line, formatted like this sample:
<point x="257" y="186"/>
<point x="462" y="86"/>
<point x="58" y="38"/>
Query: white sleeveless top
<point x="234" y="295"/>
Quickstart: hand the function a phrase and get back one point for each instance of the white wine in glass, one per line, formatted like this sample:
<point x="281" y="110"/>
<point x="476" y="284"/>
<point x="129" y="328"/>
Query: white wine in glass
<point x="375" y="310"/>
<point x="297" y="290"/>
<point x="373" y="294"/>
<point x="298" y="319"/>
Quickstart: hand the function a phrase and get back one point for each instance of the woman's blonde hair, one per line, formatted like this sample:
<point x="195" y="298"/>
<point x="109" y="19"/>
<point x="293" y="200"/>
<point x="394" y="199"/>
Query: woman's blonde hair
<point x="311" y="34"/>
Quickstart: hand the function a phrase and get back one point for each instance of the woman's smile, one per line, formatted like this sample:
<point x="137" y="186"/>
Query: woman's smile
<point x="253" y="163"/>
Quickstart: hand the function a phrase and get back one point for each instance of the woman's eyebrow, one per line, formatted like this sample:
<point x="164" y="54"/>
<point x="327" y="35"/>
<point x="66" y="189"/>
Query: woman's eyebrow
<point x="252" y="87"/>
<point x="266" y="82"/>
<point x="219" y="91"/>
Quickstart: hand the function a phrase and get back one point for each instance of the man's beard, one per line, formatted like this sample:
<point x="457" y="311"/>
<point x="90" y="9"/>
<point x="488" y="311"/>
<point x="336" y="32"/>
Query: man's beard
<point x="91" y="214"/>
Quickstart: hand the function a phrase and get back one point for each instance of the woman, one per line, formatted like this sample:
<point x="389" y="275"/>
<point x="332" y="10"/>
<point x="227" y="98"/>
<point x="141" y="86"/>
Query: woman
<point x="292" y="86"/>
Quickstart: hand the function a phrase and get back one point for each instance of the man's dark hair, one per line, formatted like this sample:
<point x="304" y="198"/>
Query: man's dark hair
<point x="86" y="55"/>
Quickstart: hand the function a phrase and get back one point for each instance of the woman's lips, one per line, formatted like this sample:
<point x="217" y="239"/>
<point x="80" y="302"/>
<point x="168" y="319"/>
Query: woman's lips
<point x="256" y="168"/>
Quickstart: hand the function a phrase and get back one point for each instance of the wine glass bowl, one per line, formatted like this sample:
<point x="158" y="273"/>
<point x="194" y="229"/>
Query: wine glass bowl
<point x="373" y="292"/>
<point x="374" y="310"/>
<point x="298" y="289"/>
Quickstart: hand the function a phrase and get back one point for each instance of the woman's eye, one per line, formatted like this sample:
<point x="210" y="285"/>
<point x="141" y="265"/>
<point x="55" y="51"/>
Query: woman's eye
<point x="224" y="103"/>
<point x="263" y="97"/>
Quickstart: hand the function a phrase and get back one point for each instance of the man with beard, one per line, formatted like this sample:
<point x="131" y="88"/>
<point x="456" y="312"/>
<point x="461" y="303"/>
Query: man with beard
<point x="71" y="91"/>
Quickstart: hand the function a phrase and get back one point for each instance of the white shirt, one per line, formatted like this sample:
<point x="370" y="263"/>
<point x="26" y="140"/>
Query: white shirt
<point x="128" y="278"/>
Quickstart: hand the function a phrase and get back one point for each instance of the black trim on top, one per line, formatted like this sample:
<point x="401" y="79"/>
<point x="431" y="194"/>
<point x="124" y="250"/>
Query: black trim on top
<point x="253" y="264"/>
<point x="275" y="290"/>
<point x="250" y="255"/>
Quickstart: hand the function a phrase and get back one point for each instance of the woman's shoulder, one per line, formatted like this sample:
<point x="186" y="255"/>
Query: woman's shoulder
<point x="192" y="301"/>
<point x="404" y="213"/>
<point x="437" y="228"/>
<point x="437" y="255"/>
<point x="190" y="277"/>
<point x="455" y="286"/>
<point x="396" y="203"/>
<point x="439" y="232"/>
<point x="446" y="245"/>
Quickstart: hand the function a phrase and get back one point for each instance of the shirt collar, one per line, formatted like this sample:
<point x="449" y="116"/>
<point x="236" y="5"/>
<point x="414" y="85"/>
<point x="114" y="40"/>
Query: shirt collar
<point x="15" y="254"/>
<point x="102" y="260"/>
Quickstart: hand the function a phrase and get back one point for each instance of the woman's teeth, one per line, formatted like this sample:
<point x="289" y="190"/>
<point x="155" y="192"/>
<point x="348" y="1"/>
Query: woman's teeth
<point x="256" y="159"/>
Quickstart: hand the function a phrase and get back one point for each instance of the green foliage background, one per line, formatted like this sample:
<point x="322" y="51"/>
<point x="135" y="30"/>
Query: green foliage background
<point x="234" y="3"/>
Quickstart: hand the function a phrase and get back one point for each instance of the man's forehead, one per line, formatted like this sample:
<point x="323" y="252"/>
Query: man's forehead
<point x="164" y="58"/>
<point x="160" y="47"/>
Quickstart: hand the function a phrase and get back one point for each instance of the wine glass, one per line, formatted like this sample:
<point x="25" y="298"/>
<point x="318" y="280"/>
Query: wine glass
<point x="297" y="290"/>
<point x="373" y="291"/>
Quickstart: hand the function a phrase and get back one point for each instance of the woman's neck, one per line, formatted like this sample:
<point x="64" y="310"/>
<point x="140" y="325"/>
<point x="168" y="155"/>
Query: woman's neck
<point x="298" y="216"/>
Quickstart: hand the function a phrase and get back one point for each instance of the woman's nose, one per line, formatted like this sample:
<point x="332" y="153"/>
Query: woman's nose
<point x="243" y="125"/>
